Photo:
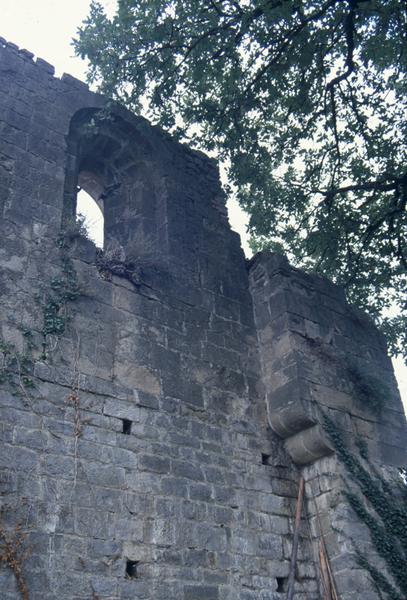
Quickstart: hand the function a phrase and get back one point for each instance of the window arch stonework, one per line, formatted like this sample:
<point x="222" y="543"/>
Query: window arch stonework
<point x="115" y="164"/>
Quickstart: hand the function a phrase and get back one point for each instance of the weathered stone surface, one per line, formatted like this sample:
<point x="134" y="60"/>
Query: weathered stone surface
<point x="319" y="353"/>
<point x="136" y="450"/>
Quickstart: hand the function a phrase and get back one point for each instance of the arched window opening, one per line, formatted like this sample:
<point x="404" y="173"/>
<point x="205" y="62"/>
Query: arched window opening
<point x="89" y="214"/>
<point x="115" y="183"/>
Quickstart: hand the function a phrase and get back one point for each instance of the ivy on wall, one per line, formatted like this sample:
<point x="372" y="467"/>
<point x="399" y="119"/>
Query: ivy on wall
<point x="368" y="387"/>
<point x="382" y="508"/>
<point x="17" y="373"/>
<point x="63" y="288"/>
<point x="16" y="368"/>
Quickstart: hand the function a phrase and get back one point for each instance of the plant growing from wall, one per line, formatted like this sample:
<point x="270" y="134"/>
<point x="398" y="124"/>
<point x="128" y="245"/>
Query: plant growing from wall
<point x="13" y="553"/>
<point x="304" y="101"/>
<point x="16" y="368"/>
<point x="110" y="265"/>
<point x="16" y="371"/>
<point x="380" y="507"/>
<point x="368" y="388"/>
<point x="73" y="228"/>
<point x="63" y="288"/>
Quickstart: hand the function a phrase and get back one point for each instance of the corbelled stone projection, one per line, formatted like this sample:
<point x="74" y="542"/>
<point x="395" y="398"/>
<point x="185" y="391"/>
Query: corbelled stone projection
<point x="162" y="399"/>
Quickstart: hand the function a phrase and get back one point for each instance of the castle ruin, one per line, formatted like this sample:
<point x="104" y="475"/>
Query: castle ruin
<point x="162" y="401"/>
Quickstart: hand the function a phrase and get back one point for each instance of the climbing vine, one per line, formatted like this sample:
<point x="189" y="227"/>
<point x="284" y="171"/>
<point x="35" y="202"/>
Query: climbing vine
<point x="17" y="372"/>
<point x="387" y="525"/>
<point x="13" y="552"/>
<point x="63" y="288"/>
<point x="17" y="367"/>
<point x="369" y="388"/>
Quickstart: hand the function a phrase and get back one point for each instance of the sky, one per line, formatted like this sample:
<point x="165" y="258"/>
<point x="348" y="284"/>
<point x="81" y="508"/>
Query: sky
<point x="46" y="28"/>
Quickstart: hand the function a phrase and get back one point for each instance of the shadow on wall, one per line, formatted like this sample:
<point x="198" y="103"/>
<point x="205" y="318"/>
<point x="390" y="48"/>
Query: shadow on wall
<point x="111" y="179"/>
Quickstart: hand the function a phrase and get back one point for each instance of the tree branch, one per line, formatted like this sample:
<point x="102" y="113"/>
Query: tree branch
<point x="379" y="185"/>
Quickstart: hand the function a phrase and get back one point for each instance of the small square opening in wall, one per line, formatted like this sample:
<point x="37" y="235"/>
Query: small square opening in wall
<point x="126" y="426"/>
<point x="265" y="458"/>
<point x="282" y="584"/>
<point x="132" y="569"/>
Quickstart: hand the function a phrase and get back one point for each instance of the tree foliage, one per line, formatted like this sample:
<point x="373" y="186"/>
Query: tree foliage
<point x="304" y="101"/>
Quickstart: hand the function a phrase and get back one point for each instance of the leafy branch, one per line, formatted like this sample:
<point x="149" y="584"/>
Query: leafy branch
<point x="303" y="107"/>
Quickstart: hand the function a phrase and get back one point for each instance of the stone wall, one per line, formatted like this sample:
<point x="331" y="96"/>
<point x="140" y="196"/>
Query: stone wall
<point x="323" y="363"/>
<point x="154" y="427"/>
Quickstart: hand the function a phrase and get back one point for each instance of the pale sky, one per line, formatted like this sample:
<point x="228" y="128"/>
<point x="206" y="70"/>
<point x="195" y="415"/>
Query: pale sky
<point x="46" y="27"/>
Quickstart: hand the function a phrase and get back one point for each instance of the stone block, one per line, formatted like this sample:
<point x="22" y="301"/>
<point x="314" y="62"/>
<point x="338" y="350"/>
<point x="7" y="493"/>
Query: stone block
<point x="188" y="470"/>
<point x="200" y="492"/>
<point x="121" y="410"/>
<point x="308" y="445"/>
<point x="201" y="592"/>
<point x="156" y="464"/>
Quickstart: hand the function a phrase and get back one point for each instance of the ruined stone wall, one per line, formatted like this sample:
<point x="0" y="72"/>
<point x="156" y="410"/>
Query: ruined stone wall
<point x="153" y="425"/>
<point x="328" y="377"/>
